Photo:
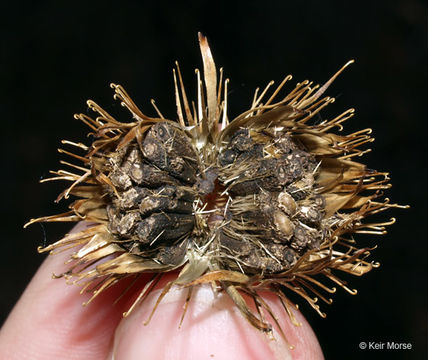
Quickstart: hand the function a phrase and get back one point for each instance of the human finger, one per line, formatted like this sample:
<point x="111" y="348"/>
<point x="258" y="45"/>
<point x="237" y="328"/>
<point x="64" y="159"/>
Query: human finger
<point x="49" y="321"/>
<point x="212" y="328"/>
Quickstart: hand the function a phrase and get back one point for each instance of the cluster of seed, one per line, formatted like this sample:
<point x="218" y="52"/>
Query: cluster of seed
<point x="151" y="209"/>
<point x="262" y="186"/>
<point x="274" y="215"/>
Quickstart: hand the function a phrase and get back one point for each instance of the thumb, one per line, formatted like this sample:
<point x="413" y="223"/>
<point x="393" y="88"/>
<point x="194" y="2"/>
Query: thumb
<point x="212" y="328"/>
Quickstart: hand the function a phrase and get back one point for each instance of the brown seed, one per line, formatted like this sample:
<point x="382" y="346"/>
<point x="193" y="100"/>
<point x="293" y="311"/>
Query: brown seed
<point x="287" y="203"/>
<point x="283" y="223"/>
<point x="136" y="173"/>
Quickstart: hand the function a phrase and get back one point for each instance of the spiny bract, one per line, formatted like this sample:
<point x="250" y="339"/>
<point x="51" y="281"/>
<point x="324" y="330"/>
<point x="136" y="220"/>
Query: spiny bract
<point x="268" y="201"/>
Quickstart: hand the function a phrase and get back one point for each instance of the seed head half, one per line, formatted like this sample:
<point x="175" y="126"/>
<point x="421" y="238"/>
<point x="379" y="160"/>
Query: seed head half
<point x="267" y="202"/>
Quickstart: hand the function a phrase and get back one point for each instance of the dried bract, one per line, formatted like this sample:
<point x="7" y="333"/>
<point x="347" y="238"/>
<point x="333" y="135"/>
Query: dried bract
<point x="267" y="202"/>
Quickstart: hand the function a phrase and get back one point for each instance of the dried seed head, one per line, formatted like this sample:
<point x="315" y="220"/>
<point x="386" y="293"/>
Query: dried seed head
<point x="264" y="202"/>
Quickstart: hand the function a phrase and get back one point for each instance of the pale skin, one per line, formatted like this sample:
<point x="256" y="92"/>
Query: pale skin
<point x="49" y="322"/>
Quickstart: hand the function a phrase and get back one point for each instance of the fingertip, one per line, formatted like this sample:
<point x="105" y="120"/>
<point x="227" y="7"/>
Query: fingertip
<point x="212" y="328"/>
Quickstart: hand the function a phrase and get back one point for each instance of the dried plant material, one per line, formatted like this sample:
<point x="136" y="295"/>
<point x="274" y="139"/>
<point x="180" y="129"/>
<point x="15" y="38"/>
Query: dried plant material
<point x="267" y="202"/>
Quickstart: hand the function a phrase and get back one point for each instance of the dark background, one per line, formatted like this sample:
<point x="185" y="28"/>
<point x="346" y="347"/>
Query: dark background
<point x="54" y="57"/>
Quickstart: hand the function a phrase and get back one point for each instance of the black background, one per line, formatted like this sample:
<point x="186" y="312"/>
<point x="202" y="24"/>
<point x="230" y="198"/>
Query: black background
<point x="55" y="56"/>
